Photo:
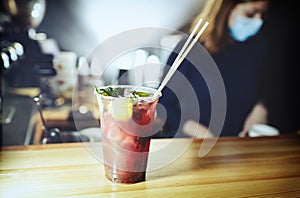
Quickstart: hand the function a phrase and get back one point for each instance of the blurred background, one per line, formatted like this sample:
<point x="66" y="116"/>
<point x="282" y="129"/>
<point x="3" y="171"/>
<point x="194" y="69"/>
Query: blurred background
<point x="81" y="25"/>
<point x="43" y="43"/>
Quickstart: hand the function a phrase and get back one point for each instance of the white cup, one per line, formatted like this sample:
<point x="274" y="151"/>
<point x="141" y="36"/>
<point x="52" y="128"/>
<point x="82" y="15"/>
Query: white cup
<point x="65" y="65"/>
<point x="257" y="130"/>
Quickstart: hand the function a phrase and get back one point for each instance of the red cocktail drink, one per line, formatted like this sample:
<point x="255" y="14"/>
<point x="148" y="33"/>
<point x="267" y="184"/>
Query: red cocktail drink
<point x="126" y="118"/>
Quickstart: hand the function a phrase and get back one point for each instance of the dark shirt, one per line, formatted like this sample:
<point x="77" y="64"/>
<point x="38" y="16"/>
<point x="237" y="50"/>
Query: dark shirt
<point x="196" y="87"/>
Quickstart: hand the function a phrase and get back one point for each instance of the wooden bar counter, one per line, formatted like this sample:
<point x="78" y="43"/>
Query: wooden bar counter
<point x="235" y="167"/>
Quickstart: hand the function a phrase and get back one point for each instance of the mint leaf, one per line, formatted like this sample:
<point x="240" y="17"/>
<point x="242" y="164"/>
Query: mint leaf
<point x="109" y="91"/>
<point x="97" y="90"/>
<point x="119" y="92"/>
<point x="140" y="94"/>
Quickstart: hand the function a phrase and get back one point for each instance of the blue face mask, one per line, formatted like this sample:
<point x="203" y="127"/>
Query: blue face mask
<point x="244" y="28"/>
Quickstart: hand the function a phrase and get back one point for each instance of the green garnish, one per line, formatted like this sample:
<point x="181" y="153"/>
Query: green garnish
<point x="109" y="91"/>
<point x="140" y="94"/>
<point x="97" y="90"/>
<point x="119" y="92"/>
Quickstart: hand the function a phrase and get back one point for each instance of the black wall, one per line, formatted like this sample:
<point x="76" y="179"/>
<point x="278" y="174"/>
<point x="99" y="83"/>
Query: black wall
<point x="282" y="77"/>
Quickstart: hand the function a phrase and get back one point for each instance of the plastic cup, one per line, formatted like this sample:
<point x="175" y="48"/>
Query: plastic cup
<point x="257" y="130"/>
<point x="127" y="128"/>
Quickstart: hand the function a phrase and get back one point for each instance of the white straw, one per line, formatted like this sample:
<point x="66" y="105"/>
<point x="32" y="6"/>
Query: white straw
<point x="171" y="71"/>
<point x="182" y="54"/>
<point x="188" y="41"/>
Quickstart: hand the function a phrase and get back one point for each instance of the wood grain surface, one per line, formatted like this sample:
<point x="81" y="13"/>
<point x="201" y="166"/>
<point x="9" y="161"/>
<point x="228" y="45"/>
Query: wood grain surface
<point x="235" y="167"/>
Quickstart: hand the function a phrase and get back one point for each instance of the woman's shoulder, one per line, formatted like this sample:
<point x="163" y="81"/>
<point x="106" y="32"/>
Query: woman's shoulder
<point x="255" y="45"/>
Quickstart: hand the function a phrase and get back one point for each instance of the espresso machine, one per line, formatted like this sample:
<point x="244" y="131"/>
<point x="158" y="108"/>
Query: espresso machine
<point x="23" y="61"/>
<point x="23" y="65"/>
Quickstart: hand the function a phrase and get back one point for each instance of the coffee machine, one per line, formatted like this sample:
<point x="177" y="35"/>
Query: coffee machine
<point x="22" y="59"/>
<point x="23" y="65"/>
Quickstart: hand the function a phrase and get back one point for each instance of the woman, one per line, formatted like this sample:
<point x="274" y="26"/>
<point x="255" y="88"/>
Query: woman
<point x="234" y="42"/>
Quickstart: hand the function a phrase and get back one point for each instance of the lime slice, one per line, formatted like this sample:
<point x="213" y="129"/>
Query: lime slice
<point x="121" y="109"/>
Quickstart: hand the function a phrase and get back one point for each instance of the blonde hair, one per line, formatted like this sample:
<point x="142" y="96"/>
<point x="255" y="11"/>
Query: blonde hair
<point x="211" y="37"/>
<point x="216" y="12"/>
<point x="209" y="12"/>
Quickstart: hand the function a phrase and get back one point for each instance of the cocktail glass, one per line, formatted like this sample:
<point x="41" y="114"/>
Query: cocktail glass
<point x="127" y="127"/>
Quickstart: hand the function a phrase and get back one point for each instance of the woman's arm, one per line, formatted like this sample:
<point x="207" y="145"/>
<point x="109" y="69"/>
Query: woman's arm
<point x="196" y="129"/>
<point x="258" y="115"/>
